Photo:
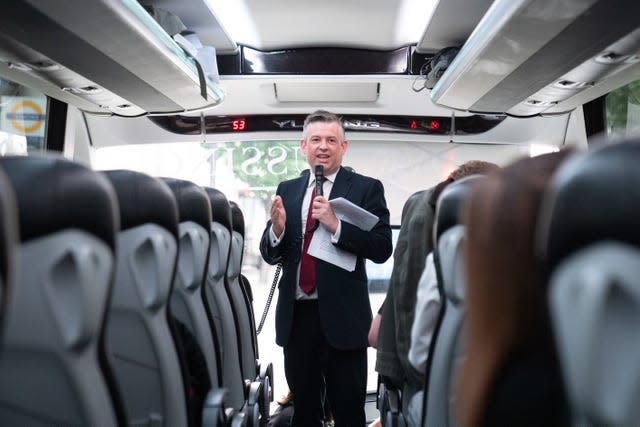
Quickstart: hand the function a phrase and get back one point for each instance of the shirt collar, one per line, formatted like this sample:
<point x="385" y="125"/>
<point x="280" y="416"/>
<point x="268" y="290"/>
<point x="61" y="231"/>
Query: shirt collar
<point x="331" y="178"/>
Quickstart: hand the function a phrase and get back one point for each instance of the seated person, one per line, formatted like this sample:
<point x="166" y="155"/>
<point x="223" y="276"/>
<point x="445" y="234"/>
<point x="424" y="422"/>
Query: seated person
<point x="427" y="306"/>
<point x="375" y="328"/>
<point x="426" y="316"/>
<point x="414" y="243"/>
<point x="511" y="376"/>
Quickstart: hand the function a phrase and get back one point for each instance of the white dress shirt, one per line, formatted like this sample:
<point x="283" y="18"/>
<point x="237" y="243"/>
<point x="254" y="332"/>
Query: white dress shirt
<point x="426" y="315"/>
<point x="327" y="186"/>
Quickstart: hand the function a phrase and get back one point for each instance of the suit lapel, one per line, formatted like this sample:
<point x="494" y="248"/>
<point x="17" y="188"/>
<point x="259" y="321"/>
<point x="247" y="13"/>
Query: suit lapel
<point x="342" y="185"/>
<point x="299" y="188"/>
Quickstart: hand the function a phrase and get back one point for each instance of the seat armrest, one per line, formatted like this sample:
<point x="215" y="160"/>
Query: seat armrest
<point x="390" y="406"/>
<point x="265" y="377"/>
<point x="238" y="419"/>
<point x="253" y="413"/>
<point x="265" y="370"/>
<point x="213" y="411"/>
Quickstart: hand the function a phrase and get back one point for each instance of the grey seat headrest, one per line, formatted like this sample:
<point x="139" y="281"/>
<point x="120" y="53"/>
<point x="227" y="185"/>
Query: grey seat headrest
<point x="591" y="198"/>
<point x="448" y="205"/>
<point x="144" y="199"/>
<point x="220" y="208"/>
<point x="237" y="218"/>
<point x="193" y="202"/>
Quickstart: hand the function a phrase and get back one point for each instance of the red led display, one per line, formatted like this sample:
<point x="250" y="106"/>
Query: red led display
<point x="238" y="125"/>
<point x="424" y="125"/>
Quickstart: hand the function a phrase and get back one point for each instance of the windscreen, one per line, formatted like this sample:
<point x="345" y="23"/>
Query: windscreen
<point x="248" y="172"/>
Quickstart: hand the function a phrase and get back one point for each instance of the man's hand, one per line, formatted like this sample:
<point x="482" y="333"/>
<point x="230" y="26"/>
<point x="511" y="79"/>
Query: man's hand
<point x="323" y="212"/>
<point x="278" y="216"/>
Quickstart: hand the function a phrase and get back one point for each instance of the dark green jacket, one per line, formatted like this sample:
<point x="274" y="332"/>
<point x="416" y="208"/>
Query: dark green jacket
<point x="414" y="244"/>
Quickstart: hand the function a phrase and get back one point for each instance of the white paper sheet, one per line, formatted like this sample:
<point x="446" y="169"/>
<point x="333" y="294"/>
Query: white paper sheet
<point x="321" y="246"/>
<point x="353" y="214"/>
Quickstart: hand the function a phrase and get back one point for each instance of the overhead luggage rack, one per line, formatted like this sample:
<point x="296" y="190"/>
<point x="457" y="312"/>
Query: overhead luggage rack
<point x="529" y="57"/>
<point x="104" y="56"/>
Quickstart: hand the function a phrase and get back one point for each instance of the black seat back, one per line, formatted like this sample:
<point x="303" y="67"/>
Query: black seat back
<point x="218" y="300"/>
<point x="238" y="296"/>
<point x="187" y="303"/>
<point x="590" y="240"/>
<point x="237" y="220"/>
<point x="253" y="369"/>
<point x="142" y="349"/>
<point x="445" y="348"/>
<point x="52" y="369"/>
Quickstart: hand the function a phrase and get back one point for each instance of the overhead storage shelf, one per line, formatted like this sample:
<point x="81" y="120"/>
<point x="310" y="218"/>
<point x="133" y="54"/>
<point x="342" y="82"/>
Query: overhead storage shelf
<point x="110" y="56"/>
<point x="528" y="57"/>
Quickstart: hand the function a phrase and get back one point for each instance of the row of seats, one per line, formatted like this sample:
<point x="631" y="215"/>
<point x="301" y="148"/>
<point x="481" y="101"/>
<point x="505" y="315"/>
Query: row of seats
<point x="589" y="244"/>
<point x="446" y="348"/>
<point x="122" y="302"/>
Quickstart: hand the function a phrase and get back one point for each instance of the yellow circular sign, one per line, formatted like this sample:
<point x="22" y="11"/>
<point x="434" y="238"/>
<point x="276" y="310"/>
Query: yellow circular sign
<point x="19" y="109"/>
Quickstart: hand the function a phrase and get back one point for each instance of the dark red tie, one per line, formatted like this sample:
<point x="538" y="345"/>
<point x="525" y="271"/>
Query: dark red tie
<point x="307" y="262"/>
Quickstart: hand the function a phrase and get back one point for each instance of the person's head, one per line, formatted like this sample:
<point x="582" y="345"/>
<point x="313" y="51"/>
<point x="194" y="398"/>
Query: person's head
<point x="506" y="304"/>
<point x="472" y="167"/>
<point x="323" y="141"/>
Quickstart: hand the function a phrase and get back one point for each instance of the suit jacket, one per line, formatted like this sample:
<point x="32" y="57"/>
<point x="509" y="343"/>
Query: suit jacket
<point x="343" y="297"/>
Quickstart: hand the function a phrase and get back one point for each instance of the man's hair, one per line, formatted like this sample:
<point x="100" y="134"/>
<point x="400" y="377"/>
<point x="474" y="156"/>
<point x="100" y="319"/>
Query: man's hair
<point x="472" y="167"/>
<point x="321" y="116"/>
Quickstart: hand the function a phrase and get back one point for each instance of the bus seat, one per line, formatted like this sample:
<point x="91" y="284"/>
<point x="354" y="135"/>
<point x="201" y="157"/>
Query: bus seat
<point x="261" y="373"/>
<point x="8" y="243"/>
<point x="390" y="406"/>
<point x="238" y="299"/>
<point x="238" y="243"/>
<point x="445" y="351"/>
<point x="238" y="223"/>
<point x="217" y="298"/>
<point x="141" y="347"/>
<point x="590" y="241"/>
<point x="237" y="220"/>
<point x="53" y="368"/>
<point x="214" y="413"/>
<point x="186" y="302"/>
<point x="222" y="312"/>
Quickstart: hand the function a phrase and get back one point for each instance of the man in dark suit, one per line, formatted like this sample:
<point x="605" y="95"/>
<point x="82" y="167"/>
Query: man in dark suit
<point x="323" y="312"/>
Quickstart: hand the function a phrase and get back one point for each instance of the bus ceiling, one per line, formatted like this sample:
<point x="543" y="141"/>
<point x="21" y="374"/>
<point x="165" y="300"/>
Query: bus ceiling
<point x="159" y="57"/>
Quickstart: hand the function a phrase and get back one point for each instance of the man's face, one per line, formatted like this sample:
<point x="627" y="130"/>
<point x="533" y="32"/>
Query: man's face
<point x="324" y="146"/>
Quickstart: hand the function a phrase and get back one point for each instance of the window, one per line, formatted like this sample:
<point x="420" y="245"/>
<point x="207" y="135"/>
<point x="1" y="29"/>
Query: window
<point x="23" y="119"/>
<point x="379" y="274"/>
<point x="622" y="111"/>
<point x="248" y="173"/>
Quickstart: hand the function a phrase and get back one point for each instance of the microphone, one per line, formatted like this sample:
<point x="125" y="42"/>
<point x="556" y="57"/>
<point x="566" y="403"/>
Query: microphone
<point x="319" y="179"/>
